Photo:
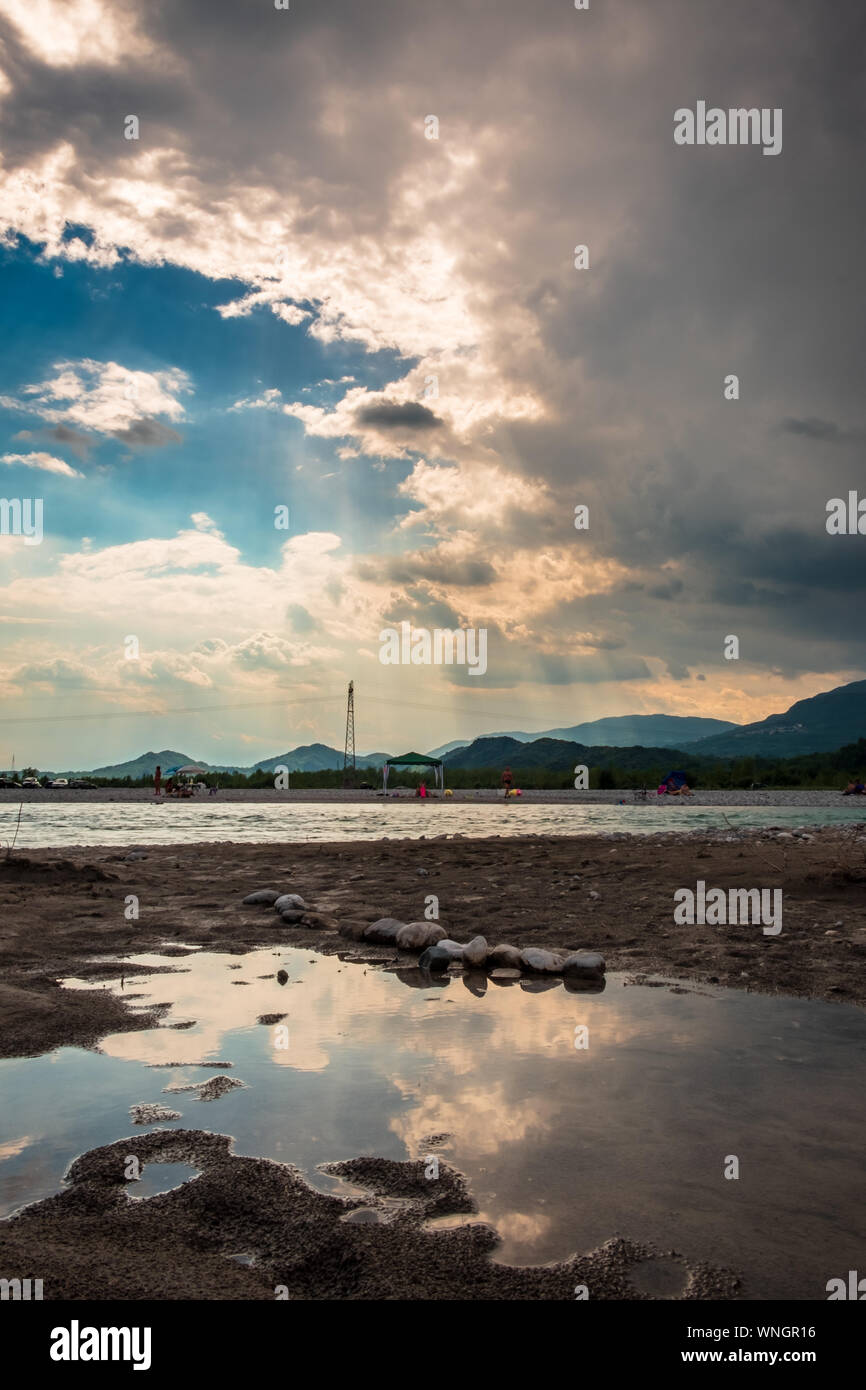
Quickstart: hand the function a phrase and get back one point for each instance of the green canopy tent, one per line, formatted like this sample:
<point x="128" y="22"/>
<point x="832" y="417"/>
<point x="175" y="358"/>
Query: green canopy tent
<point x="415" y="760"/>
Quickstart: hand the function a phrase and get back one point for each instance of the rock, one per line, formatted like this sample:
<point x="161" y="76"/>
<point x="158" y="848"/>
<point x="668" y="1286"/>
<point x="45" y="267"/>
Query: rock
<point x="353" y="931"/>
<point x="316" y="919"/>
<point x="416" y="936"/>
<point x="584" y="965"/>
<point x="289" y="902"/>
<point x="263" y="897"/>
<point x="434" y="959"/>
<point x="292" y="919"/>
<point x="503" y="974"/>
<point x="475" y="952"/>
<point x="282" y="977"/>
<point x="593" y="894"/>
<point x="384" y="932"/>
<point x="455" y="949"/>
<point x="504" y="957"/>
<point x="543" y="962"/>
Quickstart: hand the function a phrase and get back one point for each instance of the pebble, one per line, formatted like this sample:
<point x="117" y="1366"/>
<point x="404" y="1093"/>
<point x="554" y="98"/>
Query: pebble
<point x="455" y="949"/>
<point x="543" y="962"/>
<point x="586" y="965"/>
<point x="289" y="902"/>
<point x="434" y="959"/>
<point x="476" y="951"/>
<point x="384" y="932"/>
<point x="415" y="936"/>
<point x="504" y="957"/>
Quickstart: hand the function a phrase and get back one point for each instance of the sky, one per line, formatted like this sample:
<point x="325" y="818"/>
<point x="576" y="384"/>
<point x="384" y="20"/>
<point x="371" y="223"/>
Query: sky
<point x="332" y="284"/>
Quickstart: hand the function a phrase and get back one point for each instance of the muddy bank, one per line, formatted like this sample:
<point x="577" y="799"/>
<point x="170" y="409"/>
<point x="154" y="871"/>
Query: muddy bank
<point x="613" y="894"/>
<point x="92" y="1241"/>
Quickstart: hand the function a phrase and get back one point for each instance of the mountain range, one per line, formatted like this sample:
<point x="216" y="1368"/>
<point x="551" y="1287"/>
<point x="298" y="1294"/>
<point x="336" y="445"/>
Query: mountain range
<point x="821" y="723"/>
<point x="620" y="731"/>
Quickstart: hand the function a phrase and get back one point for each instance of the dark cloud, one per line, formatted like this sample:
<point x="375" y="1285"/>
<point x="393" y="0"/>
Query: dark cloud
<point x="822" y="430"/>
<point x="436" y="567"/>
<point x="148" y="434"/>
<point x="702" y="262"/>
<point x="402" y="415"/>
<point x="667" y="590"/>
<point x="78" y="444"/>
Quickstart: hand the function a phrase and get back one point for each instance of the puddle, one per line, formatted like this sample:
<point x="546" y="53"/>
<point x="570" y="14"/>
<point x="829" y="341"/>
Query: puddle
<point x="562" y="1148"/>
<point x="160" y="1177"/>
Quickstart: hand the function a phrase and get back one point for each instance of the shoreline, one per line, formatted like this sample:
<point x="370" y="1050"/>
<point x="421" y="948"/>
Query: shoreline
<point x="783" y="796"/>
<point x="611" y="893"/>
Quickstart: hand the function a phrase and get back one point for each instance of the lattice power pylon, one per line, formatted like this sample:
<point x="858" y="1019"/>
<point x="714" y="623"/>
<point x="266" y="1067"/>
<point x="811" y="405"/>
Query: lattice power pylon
<point x="349" y="745"/>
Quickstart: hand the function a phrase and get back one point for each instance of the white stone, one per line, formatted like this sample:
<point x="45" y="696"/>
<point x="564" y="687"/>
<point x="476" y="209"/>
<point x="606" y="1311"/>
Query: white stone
<point x="545" y="962"/>
<point x="289" y="902"/>
<point x="476" y="951"/>
<point x="584" y="964"/>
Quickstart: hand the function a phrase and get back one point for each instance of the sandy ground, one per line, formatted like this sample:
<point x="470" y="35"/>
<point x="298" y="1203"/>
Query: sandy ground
<point x="60" y="909"/>
<point x="826" y="796"/>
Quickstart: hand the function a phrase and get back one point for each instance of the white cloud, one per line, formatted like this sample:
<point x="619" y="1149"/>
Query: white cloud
<point x="47" y="463"/>
<point x="65" y="32"/>
<point x="103" y="397"/>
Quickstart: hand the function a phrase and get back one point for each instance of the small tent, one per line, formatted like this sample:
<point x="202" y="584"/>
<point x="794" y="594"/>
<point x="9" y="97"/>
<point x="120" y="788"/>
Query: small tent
<point x="415" y="760"/>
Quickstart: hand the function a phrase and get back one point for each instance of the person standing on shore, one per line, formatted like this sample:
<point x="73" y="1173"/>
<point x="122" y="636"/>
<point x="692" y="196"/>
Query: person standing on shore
<point x="157" y="780"/>
<point x="506" y="781"/>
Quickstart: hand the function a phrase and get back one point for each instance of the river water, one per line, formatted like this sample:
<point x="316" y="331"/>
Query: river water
<point x="168" y="822"/>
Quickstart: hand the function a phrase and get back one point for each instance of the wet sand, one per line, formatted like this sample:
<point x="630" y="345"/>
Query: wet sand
<point x="60" y="910"/>
<point x="90" y="1242"/>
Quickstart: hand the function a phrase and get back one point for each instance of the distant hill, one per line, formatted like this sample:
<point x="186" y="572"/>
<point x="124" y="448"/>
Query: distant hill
<point x="448" y="747"/>
<point x="620" y="731"/>
<point x="314" y="757"/>
<point x="142" y="766"/>
<point x="628" y="730"/>
<point x="558" y="755"/>
<point x="816" y="725"/>
<point x="311" y="757"/>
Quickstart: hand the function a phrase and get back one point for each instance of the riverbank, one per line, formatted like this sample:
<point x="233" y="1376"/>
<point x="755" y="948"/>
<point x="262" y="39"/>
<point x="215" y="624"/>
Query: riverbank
<point x="614" y="894"/>
<point x="814" y="797"/>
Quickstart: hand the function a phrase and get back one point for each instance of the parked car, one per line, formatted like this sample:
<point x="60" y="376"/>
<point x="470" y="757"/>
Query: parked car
<point x="9" y="782"/>
<point x="81" y="784"/>
<point x="60" y="782"/>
